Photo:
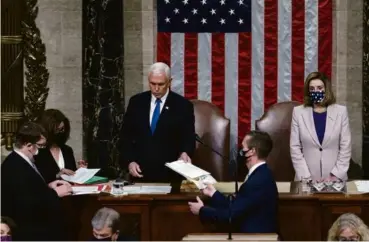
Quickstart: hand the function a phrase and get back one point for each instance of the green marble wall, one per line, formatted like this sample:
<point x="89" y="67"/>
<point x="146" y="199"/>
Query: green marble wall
<point x="366" y="88"/>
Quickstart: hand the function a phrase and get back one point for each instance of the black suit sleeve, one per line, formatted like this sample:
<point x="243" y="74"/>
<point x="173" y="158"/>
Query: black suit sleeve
<point x="28" y="199"/>
<point x="245" y="201"/>
<point x="46" y="165"/>
<point x="188" y="130"/>
<point x="127" y="138"/>
<point x="70" y="161"/>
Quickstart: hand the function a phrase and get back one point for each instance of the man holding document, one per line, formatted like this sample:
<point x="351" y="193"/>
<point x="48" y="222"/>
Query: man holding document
<point x="158" y="127"/>
<point x="254" y="209"/>
<point x="27" y="198"/>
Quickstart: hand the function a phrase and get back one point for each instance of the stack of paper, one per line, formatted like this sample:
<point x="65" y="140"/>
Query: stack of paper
<point x="362" y="186"/>
<point x="147" y="189"/>
<point x="192" y="173"/>
<point x="81" y="176"/>
<point x="156" y="189"/>
<point x="80" y="190"/>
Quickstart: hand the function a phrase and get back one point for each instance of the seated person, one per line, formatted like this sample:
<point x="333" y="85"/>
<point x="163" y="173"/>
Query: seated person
<point x="105" y="226"/>
<point x="348" y="227"/>
<point x="57" y="158"/>
<point x="254" y="209"/>
<point x="7" y="229"/>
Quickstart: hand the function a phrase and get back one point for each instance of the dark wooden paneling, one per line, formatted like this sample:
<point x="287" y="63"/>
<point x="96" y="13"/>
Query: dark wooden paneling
<point x="167" y="217"/>
<point x="295" y="215"/>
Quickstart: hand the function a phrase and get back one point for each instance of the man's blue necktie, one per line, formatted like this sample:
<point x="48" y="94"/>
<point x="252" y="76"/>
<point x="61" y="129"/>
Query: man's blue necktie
<point x="155" y="116"/>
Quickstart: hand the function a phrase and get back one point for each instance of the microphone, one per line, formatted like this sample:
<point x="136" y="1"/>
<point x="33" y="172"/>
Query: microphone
<point x="235" y="173"/>
<point x="198" y="139"/>
<point x="229" y="197"/>
<point x="230" y="217"/>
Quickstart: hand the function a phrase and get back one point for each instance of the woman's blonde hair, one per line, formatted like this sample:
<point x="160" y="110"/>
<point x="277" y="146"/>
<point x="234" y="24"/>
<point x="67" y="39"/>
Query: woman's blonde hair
<point x="348" y="220"/>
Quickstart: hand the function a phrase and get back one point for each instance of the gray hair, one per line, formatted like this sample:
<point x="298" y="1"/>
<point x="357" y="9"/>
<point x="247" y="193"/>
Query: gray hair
<point x="106" y="217"/>
<point x="160" y="67"/>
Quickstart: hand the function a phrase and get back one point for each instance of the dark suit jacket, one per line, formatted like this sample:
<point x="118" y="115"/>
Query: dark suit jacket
<point x="254" y="210"/>
<point x="27" y="199"/>
<point x="47" y="165"/>
<point x="174" y="134"/>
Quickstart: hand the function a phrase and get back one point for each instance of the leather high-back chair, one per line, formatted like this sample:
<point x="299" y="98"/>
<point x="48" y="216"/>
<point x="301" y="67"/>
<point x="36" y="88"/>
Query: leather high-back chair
<point x="214" y="130"/>
<point x="277" y="123"/>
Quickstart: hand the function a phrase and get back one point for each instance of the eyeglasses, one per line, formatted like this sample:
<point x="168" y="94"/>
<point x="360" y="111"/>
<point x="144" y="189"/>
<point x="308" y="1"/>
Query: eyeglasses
<point x="40" y="146"/>
<point x="60" y="130"/>
<point x="352" y="238"/>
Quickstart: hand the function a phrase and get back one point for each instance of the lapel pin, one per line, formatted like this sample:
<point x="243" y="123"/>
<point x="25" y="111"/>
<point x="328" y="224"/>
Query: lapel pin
<point x="166" y="107"/>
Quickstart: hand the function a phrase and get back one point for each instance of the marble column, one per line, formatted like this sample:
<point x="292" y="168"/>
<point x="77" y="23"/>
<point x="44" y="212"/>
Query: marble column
<point x="60" y="25"/>
<point x="366" y="88"/>
<point x="103" y="85"/>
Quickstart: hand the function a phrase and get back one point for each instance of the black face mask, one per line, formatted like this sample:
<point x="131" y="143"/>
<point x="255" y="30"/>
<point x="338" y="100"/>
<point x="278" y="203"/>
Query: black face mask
<point x="60" y="138"/>
<point x="242" y="154"/>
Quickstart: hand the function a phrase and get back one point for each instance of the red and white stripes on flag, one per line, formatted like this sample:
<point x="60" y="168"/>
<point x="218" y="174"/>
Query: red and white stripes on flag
<point x="245" y="73"/>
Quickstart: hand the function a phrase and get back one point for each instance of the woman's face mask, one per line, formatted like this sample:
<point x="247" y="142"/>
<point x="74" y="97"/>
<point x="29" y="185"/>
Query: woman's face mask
<point x="317" y="96"/>
<point x="60" y="138"/>
<point x="6" y="237"/>
<point x="316" y="91"/>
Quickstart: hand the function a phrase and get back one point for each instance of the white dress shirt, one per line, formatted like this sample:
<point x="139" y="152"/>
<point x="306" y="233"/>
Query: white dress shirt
<point x="60" y="160"/>
<point x="253" y="168"/>
<point x="28" y="161"/>
<point x="153" y="103"/>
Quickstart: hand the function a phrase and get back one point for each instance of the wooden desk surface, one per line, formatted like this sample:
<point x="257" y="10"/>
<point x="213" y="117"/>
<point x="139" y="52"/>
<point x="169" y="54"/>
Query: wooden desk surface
<point x="167" y="217"/>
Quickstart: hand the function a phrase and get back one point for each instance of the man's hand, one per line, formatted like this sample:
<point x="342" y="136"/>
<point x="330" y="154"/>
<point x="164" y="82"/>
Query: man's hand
<point x="134" y="169"/>
<point x="184" y="157"/>
<point x="196" y="206"/>
<point x="82" y="164"/>
<point x="63" y="190"/>
<point x="57" y="183"/>
<point x="209" y="190"/>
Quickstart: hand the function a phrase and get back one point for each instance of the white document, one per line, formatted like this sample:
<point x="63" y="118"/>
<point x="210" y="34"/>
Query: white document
<point x="81" y="176"/>
<point x="79" y="190"/>
<point x="362" y="186"/>
<point x="284" y="187"/>
<point x="192" y="173"/>
<point x="156" y="189"/>
<point x="147" y="189"/>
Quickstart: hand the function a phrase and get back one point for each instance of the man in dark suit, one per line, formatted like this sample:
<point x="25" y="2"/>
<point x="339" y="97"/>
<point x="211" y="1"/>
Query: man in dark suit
<point x="254" y="209"/>
<point x="159" y="127"/>
<point x="33" y="204"/>
<point x="106" y="226"/>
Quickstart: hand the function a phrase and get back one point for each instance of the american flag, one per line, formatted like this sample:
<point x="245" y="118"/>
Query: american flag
<point x="244" y="55"/>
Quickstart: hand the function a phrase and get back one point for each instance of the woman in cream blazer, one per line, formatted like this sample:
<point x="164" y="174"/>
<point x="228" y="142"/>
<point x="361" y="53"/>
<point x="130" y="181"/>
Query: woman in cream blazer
<point x="320" y="141"/>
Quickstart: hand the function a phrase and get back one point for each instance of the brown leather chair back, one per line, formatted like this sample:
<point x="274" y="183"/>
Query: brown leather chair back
<point x="214" y="130"/>
<point x="277" y="123"/>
